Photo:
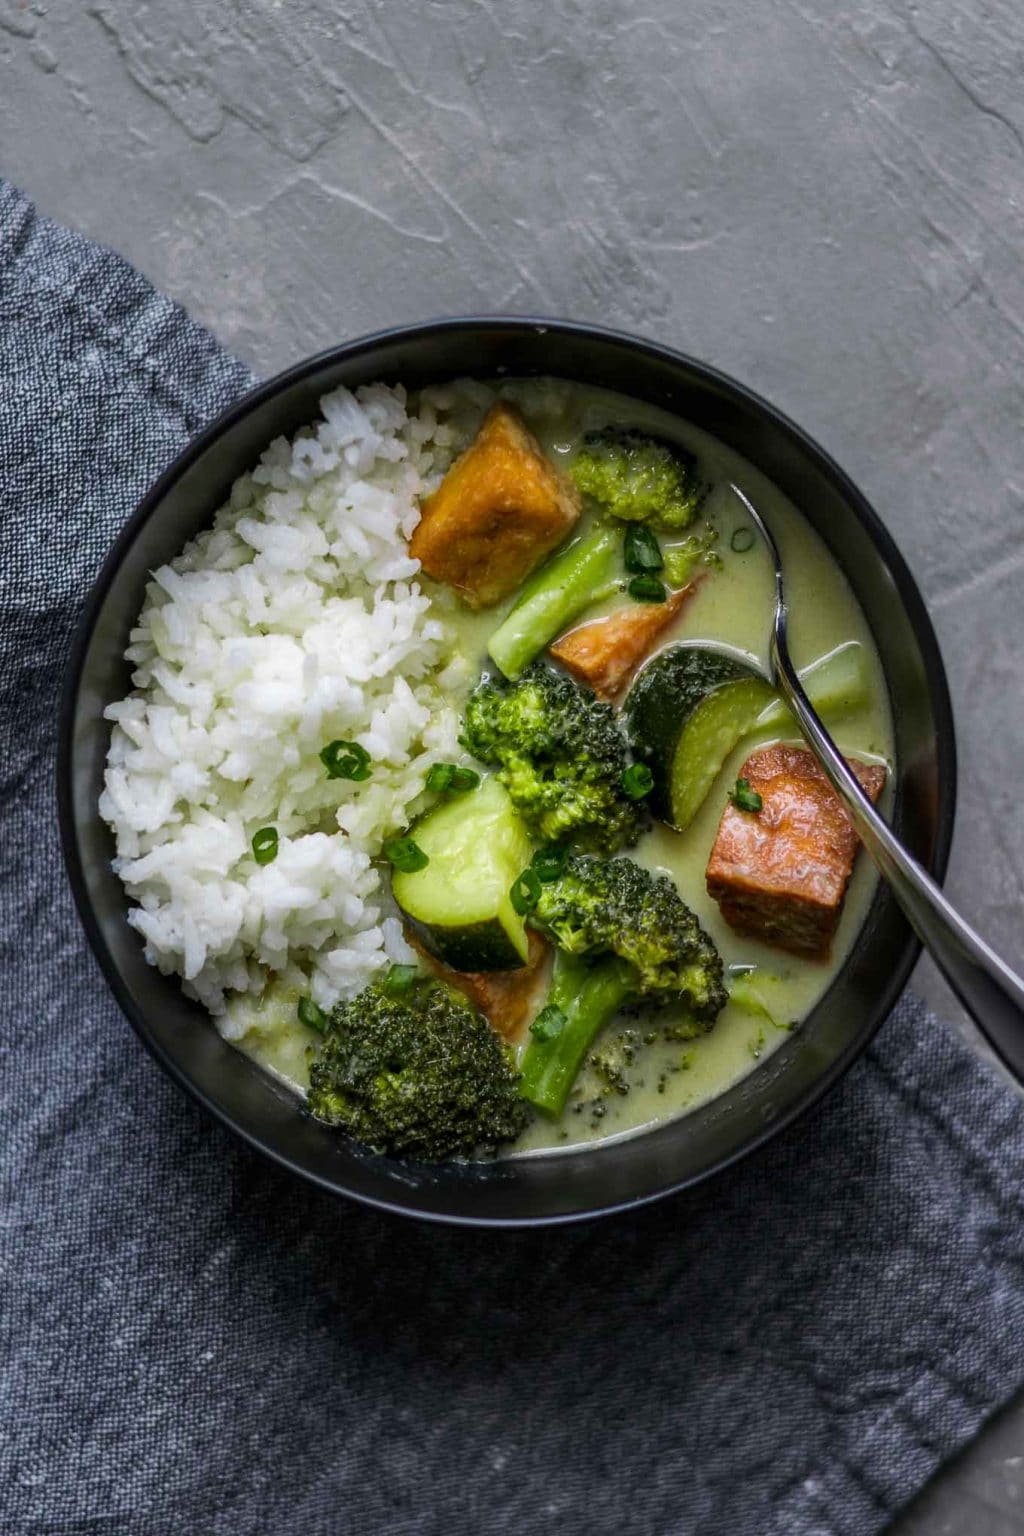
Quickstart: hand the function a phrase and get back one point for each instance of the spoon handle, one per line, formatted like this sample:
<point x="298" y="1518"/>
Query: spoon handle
<point x="990" y="991"/>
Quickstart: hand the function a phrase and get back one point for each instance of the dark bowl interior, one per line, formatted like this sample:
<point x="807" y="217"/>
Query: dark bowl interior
<point x="573" y="1184"/>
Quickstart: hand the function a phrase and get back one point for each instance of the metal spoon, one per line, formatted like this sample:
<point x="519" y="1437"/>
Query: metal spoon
<point x="992" y="994"/>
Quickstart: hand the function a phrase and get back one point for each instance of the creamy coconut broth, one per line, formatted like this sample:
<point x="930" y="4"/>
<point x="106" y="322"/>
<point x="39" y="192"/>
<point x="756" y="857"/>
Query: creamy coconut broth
<point x="731" y="608"/>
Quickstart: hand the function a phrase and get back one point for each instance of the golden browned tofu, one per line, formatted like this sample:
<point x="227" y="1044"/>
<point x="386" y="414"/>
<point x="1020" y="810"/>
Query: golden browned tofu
<point x="780" y="874"/>
<point x="606" y="652"/>
<point x="498" y="511"/>
<point x="508" y="999"/>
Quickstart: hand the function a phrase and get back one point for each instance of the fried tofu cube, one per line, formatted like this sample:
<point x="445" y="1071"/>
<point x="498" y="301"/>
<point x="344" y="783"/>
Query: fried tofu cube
<point x="606" y="652"/>
<point x="780" y="874"/>
<point x="498" y="511"/>
<point x="507" y="999"/>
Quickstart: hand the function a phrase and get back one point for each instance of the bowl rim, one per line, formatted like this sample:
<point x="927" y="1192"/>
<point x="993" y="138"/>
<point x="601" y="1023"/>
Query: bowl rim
<point x="263" y="392"/>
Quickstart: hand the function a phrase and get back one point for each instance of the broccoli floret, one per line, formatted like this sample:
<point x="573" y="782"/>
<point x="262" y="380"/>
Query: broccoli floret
<point x="561" y="755"/>
<point x="421" y="1076"/>
<point x="613" y="907"/>
<point x="624" y="936"/>
<point x="637" y="478"/>
<point x="681" y="560"/>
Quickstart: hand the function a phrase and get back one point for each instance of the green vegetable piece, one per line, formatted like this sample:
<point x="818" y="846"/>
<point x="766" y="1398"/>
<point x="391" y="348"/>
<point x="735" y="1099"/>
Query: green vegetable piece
<point x="581" y="573"/>
<point x="549" y="862"/>
<point x="459" y="904"/>
<point x="312" y="1016"/>
<point x="638" y="478"/>
<point x="689" y="707"/>
<point x="679" y="567"/>
<point x="560" y="752"/>
<point x="647" y="589"/>
<point x="449" y="778"/>
<point x="743" y="539"/>
<point x="549" y="1023"/>
<point x="744" y="798"/>
<point x="400" y="980"/>
<point x="637" y="781"/>
<point x="264" y="845"/>
<point x="662" y="713"/>
<point x="346" y="760"/>
<point x="714" y="728"/>
<point x="641" y="550"/>
<point x="681" y="560"/>
<point x="421" y="1076"/>
<point x="623" y="935"/>
<point x="405" y="854"/>
<point x="614" y="907"/>
<point x="587" y="1000"/>
<point x="525" y="892"/>
<point x="836" y="684"/>
<point x="746" y="990"/>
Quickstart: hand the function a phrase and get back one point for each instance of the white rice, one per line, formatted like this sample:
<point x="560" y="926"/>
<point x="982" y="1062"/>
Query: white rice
<point x="294" y="620"/>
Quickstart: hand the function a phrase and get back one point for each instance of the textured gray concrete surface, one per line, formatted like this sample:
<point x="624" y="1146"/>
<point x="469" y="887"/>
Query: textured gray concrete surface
<point x="828" y="202"/>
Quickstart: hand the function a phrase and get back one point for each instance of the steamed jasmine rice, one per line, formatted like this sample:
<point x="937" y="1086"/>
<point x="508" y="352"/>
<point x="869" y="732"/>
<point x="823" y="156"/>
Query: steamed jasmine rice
<point x="294" y="621"/>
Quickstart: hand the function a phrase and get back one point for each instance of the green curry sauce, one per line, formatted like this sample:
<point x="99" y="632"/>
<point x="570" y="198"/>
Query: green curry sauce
<point x="730" y="608"/>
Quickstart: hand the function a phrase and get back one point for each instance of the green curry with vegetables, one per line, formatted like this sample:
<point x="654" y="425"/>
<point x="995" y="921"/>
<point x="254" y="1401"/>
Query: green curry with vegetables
<point x="555" y="885"/>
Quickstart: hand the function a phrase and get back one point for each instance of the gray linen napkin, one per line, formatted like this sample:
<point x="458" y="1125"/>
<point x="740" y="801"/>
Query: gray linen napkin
<point x="194" y="1343"/>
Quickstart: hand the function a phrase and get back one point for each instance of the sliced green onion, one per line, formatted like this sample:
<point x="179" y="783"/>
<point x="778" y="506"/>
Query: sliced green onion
<point x="440" y="777"/>
<point x="549" y="1023"/>
<point x="463" y="779"/>
<point x="264" y="845"/>
<point x="525" y="893"/>
<point x="400" y="980"/>
<point x="744" y="798"/>
<point x="449" y="778"/>
<point x="549" y="862"/>
<point x="637" y="781"/>
<point x="346" y="760"/>
<point x="405" y="854"/>
<point x="641" y="550"/>
<point x="312" y="1016"/>
<point x="742" y="540"/>
<point x="647" y="589"/>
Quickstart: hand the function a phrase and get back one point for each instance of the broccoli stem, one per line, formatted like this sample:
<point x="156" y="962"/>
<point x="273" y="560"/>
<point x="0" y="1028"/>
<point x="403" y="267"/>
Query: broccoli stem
<point x="589" y="996"/>
<point x="580" y="575"/>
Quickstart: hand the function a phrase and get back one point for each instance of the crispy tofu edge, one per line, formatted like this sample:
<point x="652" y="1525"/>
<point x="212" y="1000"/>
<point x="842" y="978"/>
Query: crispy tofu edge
<point x="741" y="906"/>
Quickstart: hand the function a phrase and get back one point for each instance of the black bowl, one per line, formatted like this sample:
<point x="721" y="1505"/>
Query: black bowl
<point x="573" y="1184"/>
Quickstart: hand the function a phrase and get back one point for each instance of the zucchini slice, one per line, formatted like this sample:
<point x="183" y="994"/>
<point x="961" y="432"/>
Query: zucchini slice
<point x="459" y="903"/>
<point x="707" y="697"/>
<point x="834" y="684"/>
<point x="690" y="706"/>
